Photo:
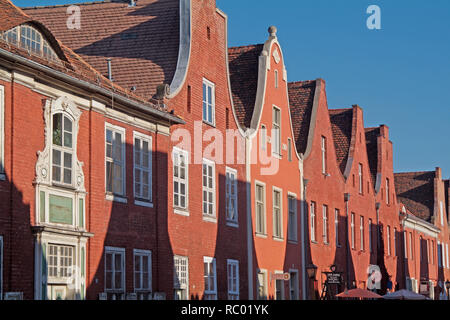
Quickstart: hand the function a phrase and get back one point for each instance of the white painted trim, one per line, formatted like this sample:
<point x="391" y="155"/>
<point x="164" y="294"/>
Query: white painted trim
<point x="177" y="209"/>
<point x="212" y="261"/>
<point x="297" y="284"/>
<point x="187" y="273"/>
<point x="280" y="237"/>
<point x="231" y="262"/>
<point x="296" y="200"/>
<point x="236" y="185"/>
<point x="206" y="216"/>
<point x="148" y="254"/>
<point x="261" y="184"/>
<point x="121" y="251"/>
<point x="184" y="53"/>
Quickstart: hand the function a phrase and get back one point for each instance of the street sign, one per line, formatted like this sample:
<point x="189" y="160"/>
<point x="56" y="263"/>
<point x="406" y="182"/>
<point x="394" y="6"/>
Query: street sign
<point x="281" y="276"/>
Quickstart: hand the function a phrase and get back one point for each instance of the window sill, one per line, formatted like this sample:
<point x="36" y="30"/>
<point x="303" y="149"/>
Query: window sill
<point x="143" y="203"/>
<point x="314" y="241"/>
<point x="277" y="155"/>
<point x="209" y="124"/>
<point x="261" y="235"/>
<point x="233" y="224"/>
<point x="209" y="219"/>
<point x="115" y="198"/>
<point x="293" y="242"/>
<point x="278" y="239"/>
<point x="181" y="212"/>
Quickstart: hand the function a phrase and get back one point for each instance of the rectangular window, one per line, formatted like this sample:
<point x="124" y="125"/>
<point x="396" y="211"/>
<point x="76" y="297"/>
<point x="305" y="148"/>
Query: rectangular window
<point x="279" y="289"/>
<point x="313" y="221"/>
<point x="231" y="195"/>
<point x="277" y="218"/>
<point x="210" y="278"/>
<point x="289" y="149"/>
<point x="447" y="257"/>
<point x="276" y="131"/>
<point x="263" y="137"/>
<point x="276" y="79"/>
<point x="142" y="167"/>
<point x="441" y="207"/>
<point x="114" y="269"/>
<point x="336" y="226"/>
<point x="60" y="261"/>
<point x="209" y="102"/>
<point x="325" y="224"/>
<point x="115" y="160"/>
<point x="352" y="228"/>
<point x="395" y="243"/>
<point x="292" y="223"/>
<point x="181" y="278"/>
<point x="388" y="197"/>
<point x="142" y="270"/>
<point x="360" y="177"/>
<point x="261" y="285"/>
<point x="180" y="178"/>
<point x="293" y="286"/>
<point x="405" y="236"/>
<point x="2" y="135"/>
<point x="439" y="253"/>
<point x="233" y="279"/>
<point x="411" y="246"/>
<point x="370" y="236"/>
<point x="324" y="155"/>
<point x="209" y="188"/>
<point x="388" y="235"/>
<point x="260" y="209"/>
<point x="361" y="232"/>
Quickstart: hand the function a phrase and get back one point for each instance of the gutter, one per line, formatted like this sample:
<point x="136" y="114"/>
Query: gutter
<point x="90" y="87"/>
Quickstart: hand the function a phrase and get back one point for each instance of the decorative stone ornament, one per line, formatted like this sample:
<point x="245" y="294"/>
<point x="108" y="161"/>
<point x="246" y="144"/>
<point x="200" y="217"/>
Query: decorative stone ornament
<point x="43" y="165"/>
<point x="276" y="56"/>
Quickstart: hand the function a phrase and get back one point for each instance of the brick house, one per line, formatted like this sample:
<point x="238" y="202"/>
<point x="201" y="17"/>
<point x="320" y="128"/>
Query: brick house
<point x="72" y="142"/>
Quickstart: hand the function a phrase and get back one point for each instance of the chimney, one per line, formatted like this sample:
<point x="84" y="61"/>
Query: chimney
<point x="108" y="61"/>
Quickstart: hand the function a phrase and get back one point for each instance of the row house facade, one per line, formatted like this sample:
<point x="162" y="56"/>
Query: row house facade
<point x="198" y="171"/>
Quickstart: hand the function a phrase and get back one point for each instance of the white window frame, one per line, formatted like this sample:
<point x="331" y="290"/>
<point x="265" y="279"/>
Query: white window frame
<point x="388" y="197"/>
<point x="176" y="152"/>
<point x="325" y="220"/>
<point x="263" y="137"/>
<point x="141" y="254"/>
<point x="257" y="218"/>
<point x="289" y="149"/>
<point x="292" y="217"/>
<point x="411" y="255"/>
<point x="361" y="232"/>
<point x="277" y="234"/>
<point x="276" y="132"/>
<point x="439" y="252"/>
<point x="233" y="279"/>
<point x="352" y="228"/>
<point x="59" y="258"/>
<point x="443" y="255"/>
<point x="264" y="284"/>
<point x="138" y="194"/>
<point x="312" y="219"/>
<point x="360" y="178"/>
<point x="211" y="85"/>
<point x="64" y="150"/>
<point x="405" y="239"/>
<point x="2" y="134"/>
<point x="336" y="227"/>
<point x="211" y="262"/>
<point x="209" y="190"/>
<point x="231" y="180"/>
<point x="120" y="252"/>
<point x="276" y="78"/>
<point x="388" y="239"/>
<point x="441" y="208"/>
<point x="370" y="236"/>
<point x="324" y="154"/>
<point x="116" y="129"/>
<point x="447" y="256"/>
<point x="395" y="243"/>
<point x="296" y="285"/>
<point x="177" y="275"/>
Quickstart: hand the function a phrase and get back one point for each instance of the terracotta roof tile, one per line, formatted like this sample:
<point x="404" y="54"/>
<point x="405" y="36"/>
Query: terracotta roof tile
<point x="416" y="191"/>
<point x="71" y="64"/>
<point x="372" y="151"/>
<point x="301" y="100"/>
<point x="142" y="41"/>
<point x="341" y="125"/>
<point x="243" y="65"/>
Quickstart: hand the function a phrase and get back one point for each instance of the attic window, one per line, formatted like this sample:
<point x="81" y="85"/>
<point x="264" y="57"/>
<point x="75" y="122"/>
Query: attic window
<point x="30" y="39"/>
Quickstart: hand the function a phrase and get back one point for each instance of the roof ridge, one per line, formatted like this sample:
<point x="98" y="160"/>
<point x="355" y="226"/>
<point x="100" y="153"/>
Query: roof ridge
<point x="71" y="4"/>
<point x="302" y="82"/>
<point x="246" y="46"/>
<point x="412" y="172"/>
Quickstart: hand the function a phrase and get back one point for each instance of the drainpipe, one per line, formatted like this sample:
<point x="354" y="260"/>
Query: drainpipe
<point x="248" y="145"/>
<point x="347" y="248"/>
<point x="305" y="288"/>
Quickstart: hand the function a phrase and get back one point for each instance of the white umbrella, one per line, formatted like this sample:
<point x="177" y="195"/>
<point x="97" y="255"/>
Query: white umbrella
<point x="404" y="295"/>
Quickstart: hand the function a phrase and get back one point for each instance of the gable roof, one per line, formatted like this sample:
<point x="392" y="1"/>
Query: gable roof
<point x="142" y="40"/>
<point x="372" y="151"/>
<point x="244" y="65"/>
<point x="341" y="125"/>
<point x="416" y="191"/>
<point x="301" y="101"/>
<point x="72" y="65"/>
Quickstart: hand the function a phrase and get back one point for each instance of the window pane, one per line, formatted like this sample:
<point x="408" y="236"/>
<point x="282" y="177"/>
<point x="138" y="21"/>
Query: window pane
<point x="57" y="129"/>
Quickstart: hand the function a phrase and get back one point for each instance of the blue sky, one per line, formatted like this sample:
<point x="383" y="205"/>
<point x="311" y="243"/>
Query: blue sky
<point x="399" y="75"/>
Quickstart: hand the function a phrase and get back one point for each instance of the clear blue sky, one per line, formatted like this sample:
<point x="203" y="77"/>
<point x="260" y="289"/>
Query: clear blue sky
<point x="399" y="75"/>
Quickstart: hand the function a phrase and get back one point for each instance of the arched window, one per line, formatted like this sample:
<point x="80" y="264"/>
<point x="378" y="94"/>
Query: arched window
<point x="30" y="39"/>
<point x="62" y="149"/>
